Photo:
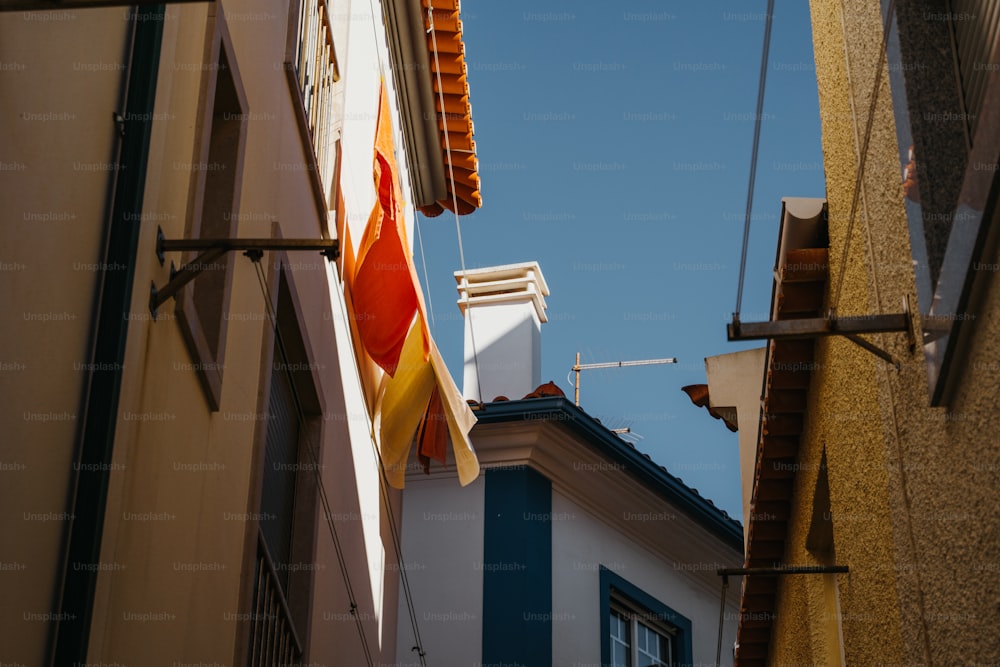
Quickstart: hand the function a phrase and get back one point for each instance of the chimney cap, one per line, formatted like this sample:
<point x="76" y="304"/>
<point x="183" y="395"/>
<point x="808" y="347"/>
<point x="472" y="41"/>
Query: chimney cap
<point x="506" y="283"/>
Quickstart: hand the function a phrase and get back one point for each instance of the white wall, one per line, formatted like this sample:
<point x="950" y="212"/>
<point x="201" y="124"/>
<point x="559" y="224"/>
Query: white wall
<point x="581" y="544"/>
<point x="443" y="548"/>
<point x="364" y="60"/>
<point x="508" y="351"/>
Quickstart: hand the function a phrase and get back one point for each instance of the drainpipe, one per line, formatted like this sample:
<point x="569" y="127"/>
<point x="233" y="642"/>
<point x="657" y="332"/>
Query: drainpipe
<point x="100" y="410"/>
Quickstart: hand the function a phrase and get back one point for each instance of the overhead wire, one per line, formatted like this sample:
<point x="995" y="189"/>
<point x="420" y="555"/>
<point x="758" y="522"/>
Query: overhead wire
<point x="384" y="485"/>
<point x="451" y="177"/>
<point x="889" y="384"/>
<point x="863" y="158"/>
<point x="427" y="280"/>
<point x="324" y="498"/>
<point x="384" y="488"/>
<point x="761" y="84"/>
<point x="722" y="618"/>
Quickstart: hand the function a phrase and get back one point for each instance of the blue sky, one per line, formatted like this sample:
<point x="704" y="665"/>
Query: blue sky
<point x="614" y="145"/>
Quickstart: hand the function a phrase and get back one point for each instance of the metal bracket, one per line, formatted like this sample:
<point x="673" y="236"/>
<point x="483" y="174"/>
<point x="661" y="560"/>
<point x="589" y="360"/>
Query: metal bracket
<point x="850" y="327"/>
<point x="725" y="572"/>
<point x="210" y="250"/>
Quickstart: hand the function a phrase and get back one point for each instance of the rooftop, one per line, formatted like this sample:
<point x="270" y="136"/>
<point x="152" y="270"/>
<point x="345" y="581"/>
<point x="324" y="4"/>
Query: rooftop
<point x="636" y="463"/>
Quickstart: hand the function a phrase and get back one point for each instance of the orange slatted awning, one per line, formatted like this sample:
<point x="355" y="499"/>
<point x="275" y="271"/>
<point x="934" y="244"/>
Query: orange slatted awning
<point x="449" y="77"/>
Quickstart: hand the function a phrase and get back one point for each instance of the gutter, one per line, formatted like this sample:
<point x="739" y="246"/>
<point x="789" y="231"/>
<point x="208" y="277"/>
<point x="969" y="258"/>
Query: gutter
<point x="100" y="411"/>
<point x="560" y="410"/>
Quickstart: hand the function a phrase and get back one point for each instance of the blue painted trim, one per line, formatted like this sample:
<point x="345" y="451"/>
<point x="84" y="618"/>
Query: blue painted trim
<point x="517" y="568"/>
<point x="653" y="476"/>
<point x="642" y="601"/>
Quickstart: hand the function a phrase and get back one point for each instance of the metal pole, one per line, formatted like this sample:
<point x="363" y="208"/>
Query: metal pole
<point x="576" y="391"/>
<point x="790" y="569"/>
<point x="577" y="367"/>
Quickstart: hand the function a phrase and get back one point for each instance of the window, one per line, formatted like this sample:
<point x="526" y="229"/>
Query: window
<point x="216" y="174"/>
<point x="639" y="641"/>
<point x="940" y="55"/>
<point x="637" y="630"/>
<point x="282" y="594"/>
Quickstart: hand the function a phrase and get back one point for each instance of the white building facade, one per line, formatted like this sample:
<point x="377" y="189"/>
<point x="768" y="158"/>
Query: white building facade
<point x="572" y="548"/>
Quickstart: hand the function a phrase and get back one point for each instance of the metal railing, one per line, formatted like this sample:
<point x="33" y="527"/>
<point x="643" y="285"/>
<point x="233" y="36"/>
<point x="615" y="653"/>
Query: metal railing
<point x="273" y="640"/>
<point x="316" y="71"/>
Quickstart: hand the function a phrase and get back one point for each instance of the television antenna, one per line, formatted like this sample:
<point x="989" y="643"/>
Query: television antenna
<point x="577" y="367"/>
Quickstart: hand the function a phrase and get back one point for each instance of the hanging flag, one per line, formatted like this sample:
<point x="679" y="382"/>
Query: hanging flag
<point x="385" y="290"/>
<point x="432" y="436"/>
<point x="416" y="399"/>
<point x="405" y="413"/>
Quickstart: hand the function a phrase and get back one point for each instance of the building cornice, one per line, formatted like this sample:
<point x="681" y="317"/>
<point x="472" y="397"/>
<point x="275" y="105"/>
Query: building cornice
<point x="605" y="446"/>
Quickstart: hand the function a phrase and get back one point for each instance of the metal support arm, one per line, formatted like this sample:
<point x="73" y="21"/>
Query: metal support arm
<point x="776" y="571"/>
<point x="212" y="249"/>
<point x="850" y="327"/>
<point x="814" y="327"/>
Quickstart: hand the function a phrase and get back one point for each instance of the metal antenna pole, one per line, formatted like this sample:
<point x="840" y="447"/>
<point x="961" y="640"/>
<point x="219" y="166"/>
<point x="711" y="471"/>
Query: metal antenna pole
<point x="577" y="367"/>
<point x="576" y="391"/>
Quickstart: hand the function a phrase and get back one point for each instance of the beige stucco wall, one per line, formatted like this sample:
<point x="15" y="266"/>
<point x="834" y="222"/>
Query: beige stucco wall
<point x="179" y="498"/>
<point x="911" y="487"/>
<point x="56" y="161"/>
<point x="183" y="486"/>
<point x="193" y="466"/>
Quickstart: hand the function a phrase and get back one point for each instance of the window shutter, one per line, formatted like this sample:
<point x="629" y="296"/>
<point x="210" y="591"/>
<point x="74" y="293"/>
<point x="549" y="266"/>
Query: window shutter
<point x="976" y="25"/>
<point x="281" y="457"/>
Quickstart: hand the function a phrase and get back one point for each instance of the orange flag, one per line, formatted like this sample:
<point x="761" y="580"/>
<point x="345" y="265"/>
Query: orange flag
<point x="432" y="436"/>
<point x="385" y="291"/>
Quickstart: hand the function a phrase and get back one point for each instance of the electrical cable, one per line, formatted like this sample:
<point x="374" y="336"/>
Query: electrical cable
<point x="761" y="84"/>
<point x="384" y="487"/>
<point x="722" y="618"/>
<point x="324" y="499"/>
<point x="451" y="176"/>
<point x="889" y="388"/>
<point x="864" y="155"/>
<point x="383" y="479"/>
<point x="427" y="280"/>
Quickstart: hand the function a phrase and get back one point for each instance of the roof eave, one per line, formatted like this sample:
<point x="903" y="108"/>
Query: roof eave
<point x="658" y="480"/>
<point x="802" y="235"/>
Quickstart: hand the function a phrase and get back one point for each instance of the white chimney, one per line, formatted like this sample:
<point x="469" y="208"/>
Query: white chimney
<point x="504" y="307"/>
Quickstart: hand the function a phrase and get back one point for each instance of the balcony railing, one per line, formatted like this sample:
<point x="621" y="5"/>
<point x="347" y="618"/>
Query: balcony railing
<point x="315" y="68"/>
<point x="273" y="640"/>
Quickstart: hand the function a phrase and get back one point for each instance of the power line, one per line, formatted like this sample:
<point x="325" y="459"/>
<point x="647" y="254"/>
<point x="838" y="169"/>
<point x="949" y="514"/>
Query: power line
<point x="427" y="280"/>
<point x="753" y="156"/>
<point x="451" y="177"/>
<point x="722" y="618"/>
<point x="384" y="492"/>
<point x="324" y="499"/>
<point x="864" y="154"/>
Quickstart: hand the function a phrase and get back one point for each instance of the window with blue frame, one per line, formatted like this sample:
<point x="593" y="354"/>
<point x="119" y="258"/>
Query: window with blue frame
<point x="637" y="630"/>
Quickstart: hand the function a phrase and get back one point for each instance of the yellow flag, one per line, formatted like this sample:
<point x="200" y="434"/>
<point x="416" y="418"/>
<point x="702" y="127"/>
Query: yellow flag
<point x="403" y="401"/>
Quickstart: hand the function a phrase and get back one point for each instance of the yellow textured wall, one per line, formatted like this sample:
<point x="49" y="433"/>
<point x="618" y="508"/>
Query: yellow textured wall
<point x="912" y="488"/>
